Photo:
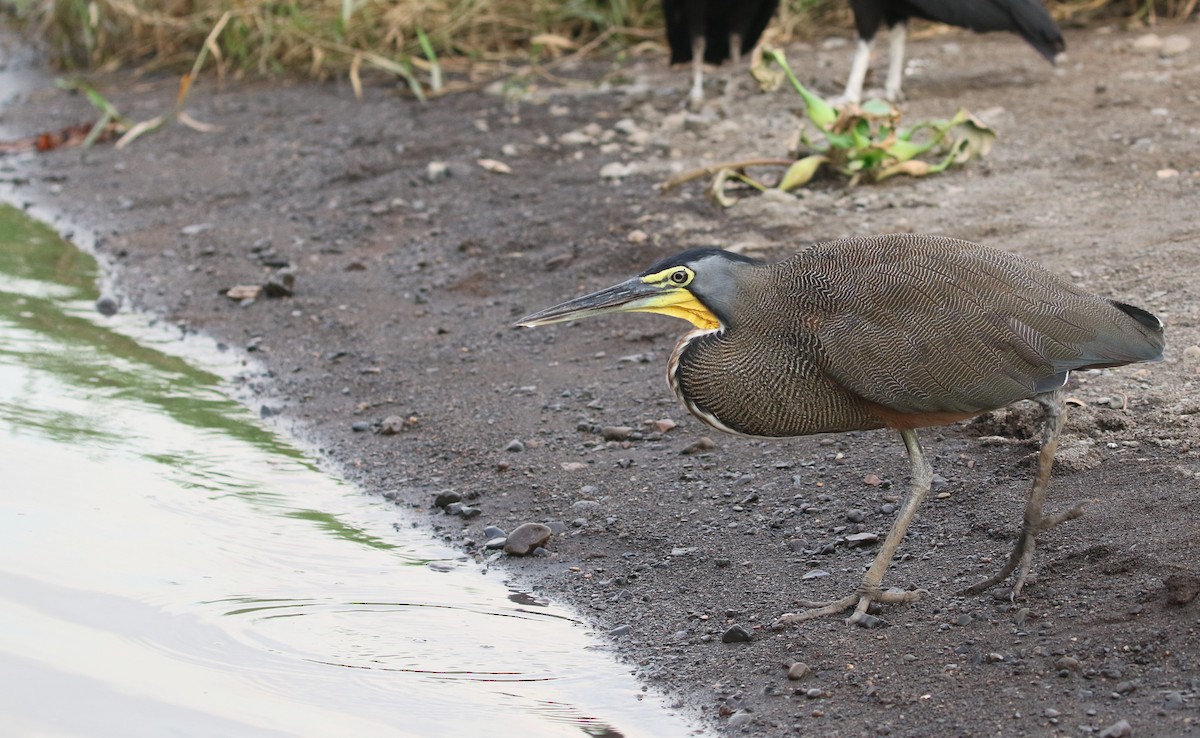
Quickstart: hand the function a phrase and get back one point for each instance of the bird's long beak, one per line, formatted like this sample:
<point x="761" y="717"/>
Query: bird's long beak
<point x="629" y="296"/>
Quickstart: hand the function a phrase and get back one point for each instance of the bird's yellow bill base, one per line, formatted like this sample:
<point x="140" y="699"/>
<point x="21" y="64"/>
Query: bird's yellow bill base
<point x="649" y="294"/>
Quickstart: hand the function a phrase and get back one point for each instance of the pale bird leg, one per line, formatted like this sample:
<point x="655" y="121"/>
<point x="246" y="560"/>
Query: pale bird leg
<point x="1021" y="558"/>
<point x="895" y="77"/>
<point x="735" y="68"/>
<point x="696" y="96"/>
<point x="858" y="73"/>
<point x="869" y="591"/>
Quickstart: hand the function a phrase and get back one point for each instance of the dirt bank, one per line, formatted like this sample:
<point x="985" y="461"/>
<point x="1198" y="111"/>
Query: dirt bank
<point x="411" y="261"/>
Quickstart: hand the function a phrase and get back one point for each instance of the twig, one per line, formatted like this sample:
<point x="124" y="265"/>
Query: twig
<point x="712" y="169"/>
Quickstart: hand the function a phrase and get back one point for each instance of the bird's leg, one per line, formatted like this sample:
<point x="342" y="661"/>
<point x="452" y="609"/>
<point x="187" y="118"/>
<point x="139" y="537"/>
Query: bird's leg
<point x="868" y="591"/>
<point x="858" y="73"/>
<point x="696" y="96"/>
<point x="1021" y="558"/>
<point x="735" y="67"/>
<point x="895" y="76"/>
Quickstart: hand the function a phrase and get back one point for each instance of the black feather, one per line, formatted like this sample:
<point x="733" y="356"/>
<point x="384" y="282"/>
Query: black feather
<point x="1026" y="18"/>
<point x="716" y="21"/>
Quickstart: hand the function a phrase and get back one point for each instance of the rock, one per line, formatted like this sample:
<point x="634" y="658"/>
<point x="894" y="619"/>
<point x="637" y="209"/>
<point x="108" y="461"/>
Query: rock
<point x="436" y="171"/>
<point x="585" y="506"/>
<point x="1174" y="45"/>
<point x="736" y="633"/>
<point x="1181" y="588"/>
<point x="446" y="498"/>
<point x="621" y="630"/>
<point x="1119" y="729"/>
<point x="814" y="574"/>
<point x="195" y="229"/>
<point x="1066" y="663"/>
<point x="281" y="284"/>
<point x="701" y="444"/>
<point x="616" y="170"/>
<point x="525" y="538"/>
<point x="244" y="292"/>
<point x="361" y="426"/>
<point x="797" y="671"/>
<point x="493" y="531"/>
<point x="856" y="516"/>
<point x="467" y="512"/>
<point x="392" y="425"/>
<point x="739" y="719"/>
<point x="1148" y="42"/>
<point x="107" y="306"/>
<point x="1191" y="354"/>
<point x="495" y="543"/>
<point x="515" y="446"/>
<point x="616" y="432"/>
<point x="861" y="539"/>
<point x="815" y="693"/>
<point x="454" y="508"/>
<point x="637" y="235"/>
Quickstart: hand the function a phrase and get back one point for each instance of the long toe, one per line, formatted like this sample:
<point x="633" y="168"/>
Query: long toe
<point x="860" y="601"/>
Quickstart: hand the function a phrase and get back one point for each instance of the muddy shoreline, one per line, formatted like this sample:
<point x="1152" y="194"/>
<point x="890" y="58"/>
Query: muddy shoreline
<point x="411" y="260"/>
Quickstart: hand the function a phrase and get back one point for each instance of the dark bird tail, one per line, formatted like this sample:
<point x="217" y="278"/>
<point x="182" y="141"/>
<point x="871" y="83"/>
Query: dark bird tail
<point x="1027" y="18"/>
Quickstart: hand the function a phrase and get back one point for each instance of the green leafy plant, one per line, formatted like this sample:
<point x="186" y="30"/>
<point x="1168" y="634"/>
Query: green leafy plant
<point x="864" y="143"/>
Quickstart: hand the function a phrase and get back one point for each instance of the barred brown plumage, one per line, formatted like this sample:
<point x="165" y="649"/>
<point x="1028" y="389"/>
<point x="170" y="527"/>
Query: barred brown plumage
<point x="901" y="331"/>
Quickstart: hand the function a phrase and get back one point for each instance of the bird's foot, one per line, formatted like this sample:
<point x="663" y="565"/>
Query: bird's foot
<point x="861" y="601"/>
<point x="1021" y="558"/>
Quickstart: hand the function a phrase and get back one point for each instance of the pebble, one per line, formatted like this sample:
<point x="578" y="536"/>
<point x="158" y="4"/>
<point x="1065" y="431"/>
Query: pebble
<point x="494" y="531"/>
<point x="964" y="619"/>
<point x="815" y="693"/>
<point x="392" y="425"/>
<point x="887" y="508"/>
<point x="444" y="499"/>
<point x="107" y="306"/>
<point x="525" y="538"/>
<point x="861" y="539"/>
<point x="1148" y="42"/>
<point x="736" y="634"/>
<point x="280" y="284"/>
<point x="495" y="543"/>
<point x="797" y="671"/>
<point x="616" y="432"/>
<point x="585" y="506"/>
<point x="621" y="630"/>
<point x="361" y="426"/>
<point x="856" y="516"/>
<point x="740" y="718"/>
<point x="616" y="170"/>
<point x="814" y="574"/>
<point x="1175" y="45"/>
<point x="1119" y="729"/>
<point x="195" y="229"/>
<point x="1067" y="663"/>
<point x="515" y="446"/>
<point x="436" y="171"/>
<point x="701" y="444"/>
<point x="557" y="526"/>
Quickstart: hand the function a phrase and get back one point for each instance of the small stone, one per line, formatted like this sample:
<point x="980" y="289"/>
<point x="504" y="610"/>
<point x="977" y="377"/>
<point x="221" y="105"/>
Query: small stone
<point x="621" y="630"/>
<point x="1182" y="588"/>
<point x="468" y="512"/>
<point x="815" y="693"/>
<point x="887" y="508"/>
<point x="664" y="425"/>
<point x="515" y="446"/>
<point x="244" y="292"/>
<point x="436" y="171"/>
<point x="637" y="235"/>
<point x="964" y="619"/>
<point x="736" y="634"/>
<point x="392" y="425"/>
<point x="1173" y="701"/>
<point x="1119" y="729"/>
<point x="446" y="498"/>
<point x="861" y="539"/>
<point x="495" y="543"/>
<point x="1068" y="663"/>
<point x="700" y="445"/>
<point x="557" y="527"/>
<point x="280" y="284"/>
<point x="1175" y="45"/>
<point x="525" y="538"/>
<point x="814" y="574"/>
<point x="361" y="426"/>
<point x="1148" y="42"/>
<point x="1191" y="354"/>
<point x="195" y="229"/>
<point x="616" y="432"/>
<point x="616" y="170"/>
<point x="872" y="480"/>
<point x="797" y="671"/>
<point x="740" y="718"/>
<point x="107" y="306"/>
<point x="1167" y="173"/>
<point x="454" y="508"/>
<point x="1050" y="712"/>
<point x="856" y="516"/>
<point x="494" y="531"/>
<point x="585" y="506"/>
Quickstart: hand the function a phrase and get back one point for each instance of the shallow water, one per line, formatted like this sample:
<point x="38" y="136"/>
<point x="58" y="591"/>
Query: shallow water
<point x="171" y="566"/>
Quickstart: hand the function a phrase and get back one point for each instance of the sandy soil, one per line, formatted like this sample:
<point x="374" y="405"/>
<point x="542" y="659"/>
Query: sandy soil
<point x="408" y="277"/>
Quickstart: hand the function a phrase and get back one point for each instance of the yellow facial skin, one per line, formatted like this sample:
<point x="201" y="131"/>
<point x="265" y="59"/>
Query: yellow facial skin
<point x="675" y="299"/>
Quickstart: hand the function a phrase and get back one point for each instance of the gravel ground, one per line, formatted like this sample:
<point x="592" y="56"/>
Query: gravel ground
<point x="395" y="357"/>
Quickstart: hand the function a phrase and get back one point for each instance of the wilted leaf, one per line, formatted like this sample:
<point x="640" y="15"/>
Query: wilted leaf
<point x="878" y="108"/>
<point x="801" y="172"/>
<point x="974" y="136"/>
<point x="912" y="167"/>
<point x="716" y="190"/>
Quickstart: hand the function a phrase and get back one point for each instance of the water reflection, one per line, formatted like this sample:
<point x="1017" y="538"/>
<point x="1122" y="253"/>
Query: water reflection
<point x="170" y="566"/>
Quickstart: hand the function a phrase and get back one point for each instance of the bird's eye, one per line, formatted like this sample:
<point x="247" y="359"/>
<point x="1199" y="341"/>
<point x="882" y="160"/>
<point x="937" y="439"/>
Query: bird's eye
<point x="679" y="277"/>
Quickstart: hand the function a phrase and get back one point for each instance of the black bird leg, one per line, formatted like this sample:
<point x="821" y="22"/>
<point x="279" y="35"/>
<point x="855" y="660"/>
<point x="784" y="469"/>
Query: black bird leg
<point x="869" y="591"/>
<point x="1021" y="558"/>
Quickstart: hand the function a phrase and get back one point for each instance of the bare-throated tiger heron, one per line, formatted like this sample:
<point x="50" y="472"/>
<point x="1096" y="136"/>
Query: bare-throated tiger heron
<point x="897" y="331"/>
